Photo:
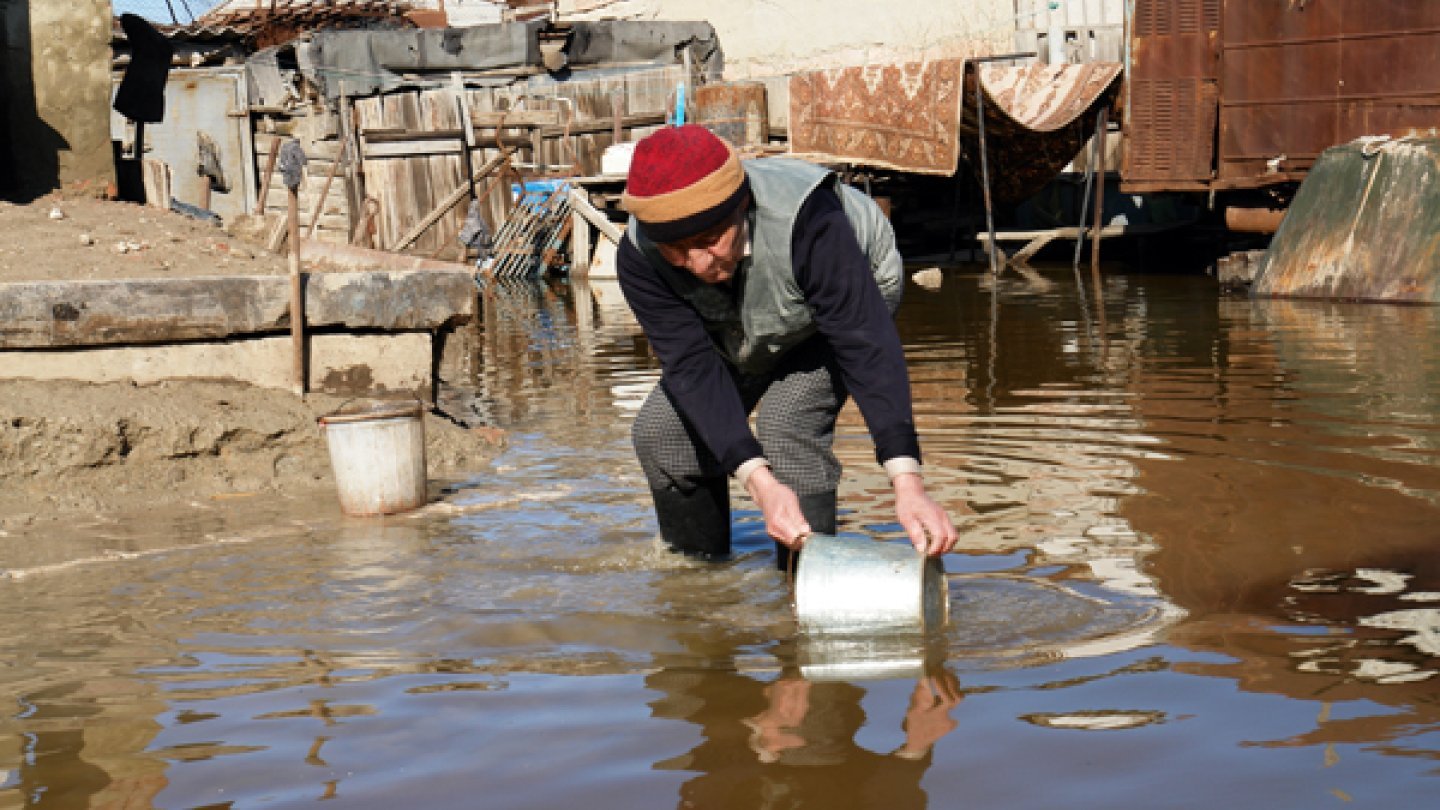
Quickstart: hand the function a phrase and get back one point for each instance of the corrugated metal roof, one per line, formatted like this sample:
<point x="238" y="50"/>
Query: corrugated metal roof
<point x="519" y="10"/>
<point x="263" y="23"/>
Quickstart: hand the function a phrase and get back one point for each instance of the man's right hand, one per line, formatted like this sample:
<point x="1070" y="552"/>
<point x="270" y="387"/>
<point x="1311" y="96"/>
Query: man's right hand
<point x="780" y="506"/>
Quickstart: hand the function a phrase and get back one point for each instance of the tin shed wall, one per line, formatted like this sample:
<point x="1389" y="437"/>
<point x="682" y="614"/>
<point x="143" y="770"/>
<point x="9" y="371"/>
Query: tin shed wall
<point x="1173" y="94"/>
<point x="1231" y="94"/>
<point x="1298" y="78"/>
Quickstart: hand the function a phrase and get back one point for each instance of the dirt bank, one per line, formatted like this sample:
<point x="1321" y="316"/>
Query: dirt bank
<point x="71" y="448"/>
<point x="68" y="448"/>
<point x="63" y="239"/>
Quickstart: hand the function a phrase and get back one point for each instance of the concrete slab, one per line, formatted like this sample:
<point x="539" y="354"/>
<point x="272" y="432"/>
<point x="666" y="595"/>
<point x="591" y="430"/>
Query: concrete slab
<point x="52" y="314"/>
<point x="344" y="364"/>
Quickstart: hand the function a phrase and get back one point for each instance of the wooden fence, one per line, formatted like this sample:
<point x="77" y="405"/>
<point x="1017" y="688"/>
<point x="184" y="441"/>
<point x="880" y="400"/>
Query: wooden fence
<point x="416" y="159"/>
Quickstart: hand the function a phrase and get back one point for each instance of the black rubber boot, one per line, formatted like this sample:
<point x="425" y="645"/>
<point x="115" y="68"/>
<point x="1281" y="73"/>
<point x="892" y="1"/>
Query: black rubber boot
<point x="696" y="523"/>
<point x="819" y="511"/>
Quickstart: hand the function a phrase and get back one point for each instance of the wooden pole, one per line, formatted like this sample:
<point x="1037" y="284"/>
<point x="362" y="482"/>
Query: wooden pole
<point x="325" y="190"/>
<point x="292" y="168"/>
<point x="269" y="172"/>
<point x="994" y="247"/>
<point x="579" y="245"/>
<point x="1101" y="125"/>
<point x="467" y="130"/>
<point x="297" y="302"/>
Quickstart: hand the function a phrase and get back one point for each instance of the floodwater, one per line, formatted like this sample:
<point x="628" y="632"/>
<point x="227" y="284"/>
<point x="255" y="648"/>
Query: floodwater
<point x="1199" y="569"/>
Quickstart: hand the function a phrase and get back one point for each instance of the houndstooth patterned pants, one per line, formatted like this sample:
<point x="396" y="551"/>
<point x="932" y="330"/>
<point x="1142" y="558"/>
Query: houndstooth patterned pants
<point x="795" y="408"/>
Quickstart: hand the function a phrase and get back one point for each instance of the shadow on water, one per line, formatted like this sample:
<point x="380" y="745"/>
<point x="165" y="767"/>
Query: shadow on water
<point x="1164" y="500"/>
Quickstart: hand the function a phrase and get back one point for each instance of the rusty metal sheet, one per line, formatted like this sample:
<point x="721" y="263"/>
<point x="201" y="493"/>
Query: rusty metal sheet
<point x="736" y="111"/>
<point x="1363" y="226"/>
<point x="1299" y="78"/>
<point x="1173" y="94"/>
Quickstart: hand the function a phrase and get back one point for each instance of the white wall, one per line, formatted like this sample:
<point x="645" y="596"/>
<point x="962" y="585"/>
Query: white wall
<point x="1071" y="30"/>
<point x="774" y="37"/>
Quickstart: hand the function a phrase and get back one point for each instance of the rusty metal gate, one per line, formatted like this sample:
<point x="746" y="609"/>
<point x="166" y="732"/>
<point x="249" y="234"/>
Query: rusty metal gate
<point x="1173" y="93"/>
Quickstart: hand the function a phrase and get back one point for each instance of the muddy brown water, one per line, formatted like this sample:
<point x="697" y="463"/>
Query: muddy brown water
<point x="1201" y="571"/>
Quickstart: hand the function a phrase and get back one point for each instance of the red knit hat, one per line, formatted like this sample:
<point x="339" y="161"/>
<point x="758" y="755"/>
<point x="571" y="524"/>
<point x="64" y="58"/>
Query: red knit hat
<point x="683" y="180"/>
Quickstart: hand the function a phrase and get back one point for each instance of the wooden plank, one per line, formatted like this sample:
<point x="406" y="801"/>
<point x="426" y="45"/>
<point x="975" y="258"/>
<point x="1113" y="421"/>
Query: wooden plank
<point x="411" y="148"/>
<point x="354" y="191"/>
<point x="319" y="205"/>
<point x="155" y="175"/>
<point x="322" y="150"/>
<point x="444" y="172"/>
<point x="266" y="175"/>
<point x="449" y="202"/>
<point x="580" y="204"/>
<point x="527" y="119"/>
<point x="579" y="244"/>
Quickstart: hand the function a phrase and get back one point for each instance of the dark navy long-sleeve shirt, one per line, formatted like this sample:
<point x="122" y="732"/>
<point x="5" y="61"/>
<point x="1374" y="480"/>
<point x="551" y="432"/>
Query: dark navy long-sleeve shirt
<point x="835" y="277"/>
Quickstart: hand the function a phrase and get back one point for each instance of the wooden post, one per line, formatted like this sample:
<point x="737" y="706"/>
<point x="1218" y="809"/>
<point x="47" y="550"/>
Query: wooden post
<point x="994" y="246"/>
<point x="292" y="167"/>
<point x="617" y="109"/>
<point x="579" y="245"/>
<point x="1101" y="125"/>
<point x="269" y="172"/>
<point x="354" y="192"/>
<point x="325" y="190"/>
<point x="580" y="204"/>
<point x="297" y="302"/>
<point x="467" y="130"/>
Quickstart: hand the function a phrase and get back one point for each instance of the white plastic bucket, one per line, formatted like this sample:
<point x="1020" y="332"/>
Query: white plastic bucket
<point x="851" y="585"/>
<point x="377" y="451"/>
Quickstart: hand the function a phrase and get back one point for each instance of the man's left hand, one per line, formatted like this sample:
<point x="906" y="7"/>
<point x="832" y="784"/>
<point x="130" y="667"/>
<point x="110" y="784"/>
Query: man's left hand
<point x="927" y="523"/>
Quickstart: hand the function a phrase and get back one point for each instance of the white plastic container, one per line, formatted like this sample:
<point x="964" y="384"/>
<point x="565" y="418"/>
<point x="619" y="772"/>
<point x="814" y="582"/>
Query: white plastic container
<point x="616" y="158"/>
<point x="377" y="451"/>
<point x="847" y="585"/>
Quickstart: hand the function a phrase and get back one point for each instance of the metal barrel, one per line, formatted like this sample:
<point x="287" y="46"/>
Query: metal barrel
<point x="736" y="111"/>
<point x="849" y="585"/>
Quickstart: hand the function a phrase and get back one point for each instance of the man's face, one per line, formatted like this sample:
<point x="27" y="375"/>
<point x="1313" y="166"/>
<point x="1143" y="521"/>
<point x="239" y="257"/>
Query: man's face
<point x="711" y="255"/>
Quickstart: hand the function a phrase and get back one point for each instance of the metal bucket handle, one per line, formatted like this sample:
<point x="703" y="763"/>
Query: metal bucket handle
<point x="389" y="410"/>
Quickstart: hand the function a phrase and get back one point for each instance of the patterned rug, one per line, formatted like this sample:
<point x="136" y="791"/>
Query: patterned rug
<point x="1037" y="117"/>
<point x="903" y="117"/>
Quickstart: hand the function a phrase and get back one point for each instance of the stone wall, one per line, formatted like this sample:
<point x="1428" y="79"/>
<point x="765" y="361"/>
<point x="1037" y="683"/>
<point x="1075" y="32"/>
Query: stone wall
<point x="55" y="69"/>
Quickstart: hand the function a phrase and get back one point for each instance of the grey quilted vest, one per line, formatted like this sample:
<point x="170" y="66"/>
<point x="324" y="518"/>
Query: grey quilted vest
<point x="765" y="314"/>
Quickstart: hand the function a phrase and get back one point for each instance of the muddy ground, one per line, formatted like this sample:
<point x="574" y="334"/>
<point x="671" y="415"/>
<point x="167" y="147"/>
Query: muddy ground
<point x="69" y="448"/>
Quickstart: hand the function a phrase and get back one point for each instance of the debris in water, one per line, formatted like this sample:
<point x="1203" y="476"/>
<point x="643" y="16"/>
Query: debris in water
<point x="930" y="278"/>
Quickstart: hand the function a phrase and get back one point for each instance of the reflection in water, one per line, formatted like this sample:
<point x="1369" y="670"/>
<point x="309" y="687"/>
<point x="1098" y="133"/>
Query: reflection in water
<point x="789" y="741"/>
<point x="1201" y="555"/>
